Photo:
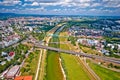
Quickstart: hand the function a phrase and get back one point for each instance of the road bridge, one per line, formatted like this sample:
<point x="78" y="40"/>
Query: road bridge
<point x="58" y="43"/>
<point x="56" y="35"/>
<point x="111" y="60"/>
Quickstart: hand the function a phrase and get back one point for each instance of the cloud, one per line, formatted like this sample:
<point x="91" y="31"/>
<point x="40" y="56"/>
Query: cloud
<point x="95" y="4"/>
<point x="68" y="3"/>
<point x="62" y="6"/>
<point x="92" y="10"/>
<point x="29" y="0"/>
<point x="82" y="1"/>
<point x="36" y="9"/>
<point x="56" y="10"/>
<point x="10" y="2"/>
<point x="30" y="4"/>
<point x="111" y="3"/>
<point x="35" y="4"/>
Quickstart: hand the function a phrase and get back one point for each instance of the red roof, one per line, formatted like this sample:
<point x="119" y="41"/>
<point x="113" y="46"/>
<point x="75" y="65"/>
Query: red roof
<point x="11" y="54"/>
<point x="23" y="78"/>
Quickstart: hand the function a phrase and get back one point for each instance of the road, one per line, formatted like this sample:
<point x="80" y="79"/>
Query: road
<point x="58" y="43"/>
<point x="111" y="60"/>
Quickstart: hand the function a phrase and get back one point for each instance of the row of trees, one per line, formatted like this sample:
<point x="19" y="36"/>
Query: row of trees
<point x="73" y="40"/>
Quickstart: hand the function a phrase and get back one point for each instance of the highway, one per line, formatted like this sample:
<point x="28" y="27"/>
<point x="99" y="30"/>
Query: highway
<point x="111" y="60"/>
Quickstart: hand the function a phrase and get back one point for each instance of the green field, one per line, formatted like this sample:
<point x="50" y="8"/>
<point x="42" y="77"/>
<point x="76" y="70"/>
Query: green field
<point x="89" y="50"/>
<point x="30" y="66"/>
<point x="53" y="70"/>
<point x="103" y="73"/>
<point x="53" y="67"/>
<point x="73" y="69"/>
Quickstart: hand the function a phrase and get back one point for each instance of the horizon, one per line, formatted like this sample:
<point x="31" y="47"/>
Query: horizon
<point x="62" y="7"/>
<point x="78" y="15"/>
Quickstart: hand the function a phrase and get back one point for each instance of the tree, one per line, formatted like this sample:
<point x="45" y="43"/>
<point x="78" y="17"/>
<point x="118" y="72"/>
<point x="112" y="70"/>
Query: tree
<point x="115" y="48"/>
<point x="110" y="65"/>
<point x="93" y="47"/>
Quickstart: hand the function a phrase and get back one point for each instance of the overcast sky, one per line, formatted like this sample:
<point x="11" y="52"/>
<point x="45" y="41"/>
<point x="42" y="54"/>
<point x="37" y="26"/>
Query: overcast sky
<point x="62" y="7"/>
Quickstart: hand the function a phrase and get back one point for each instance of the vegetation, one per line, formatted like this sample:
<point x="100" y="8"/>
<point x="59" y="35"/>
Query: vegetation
<point x="72" y="69"/>
<point x="39" y="36"/>
<point x="18" y="58"/>
<point x="72" y="39"/>
<point x="103" y="73"/>
<point x="89" y="50"/>
<point x="113" y="51"/>
<point x="114" y="55"/>
<point x="30" y="65"/>
<point x="112" y="40"/>
<point x="46" y="27"/>
<point x="53" y="65"/>
<point x="82" y="22"/>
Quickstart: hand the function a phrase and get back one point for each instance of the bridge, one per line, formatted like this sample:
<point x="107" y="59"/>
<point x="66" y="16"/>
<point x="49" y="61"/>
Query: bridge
<point x="111" y="60"/>
<point x="58" y="42"/>
<point x="56" y="35"/>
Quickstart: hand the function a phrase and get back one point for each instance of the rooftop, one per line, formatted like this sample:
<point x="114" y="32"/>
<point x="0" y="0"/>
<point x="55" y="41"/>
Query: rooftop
<point x="13" y="71"/>
<point x="23" y="78"/>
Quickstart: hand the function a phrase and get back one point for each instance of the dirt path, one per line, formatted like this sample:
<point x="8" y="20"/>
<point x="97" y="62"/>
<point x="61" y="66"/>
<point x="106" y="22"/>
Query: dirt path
<point x="62" y="69"/>
<point x="39" y="63"/>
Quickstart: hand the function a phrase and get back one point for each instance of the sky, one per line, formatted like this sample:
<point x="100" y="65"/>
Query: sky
<point x="62" y="7"/>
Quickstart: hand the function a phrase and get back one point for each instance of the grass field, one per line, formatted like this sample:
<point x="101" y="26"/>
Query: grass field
<point x="73" y="69"/>
<point x="53" y="67"/>
<point x="30" y="66"/>
<point x="103" y="73"/>
<point x="53" y="70"/>
<point x="89" y="50"/>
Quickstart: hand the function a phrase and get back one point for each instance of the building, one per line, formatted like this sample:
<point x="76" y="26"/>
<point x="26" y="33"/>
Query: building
<point x="2" y="45"/>
<point x="3" y="62"/>
<point x="23" y="78"/>
<point x="4" y="54"/>
<point x="13" y="72"/>
<point x="11" y="54"/>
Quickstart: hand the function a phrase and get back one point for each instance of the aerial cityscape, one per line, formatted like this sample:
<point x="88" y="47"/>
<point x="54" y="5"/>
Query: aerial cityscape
<point x="59" y="39"/>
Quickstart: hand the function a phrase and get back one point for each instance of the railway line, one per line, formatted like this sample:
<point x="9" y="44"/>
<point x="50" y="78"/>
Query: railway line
<point x="111" y="60"/>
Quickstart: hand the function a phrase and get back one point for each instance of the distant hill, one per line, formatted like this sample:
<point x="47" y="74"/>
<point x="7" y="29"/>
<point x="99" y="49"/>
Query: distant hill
<point x="4" y="16"/>
<point x="7" y="14"/>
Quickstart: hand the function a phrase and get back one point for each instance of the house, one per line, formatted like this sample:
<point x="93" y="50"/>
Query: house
<point x="111" y="45"/>
<point x="4" y="54"/>
<point x="2" y="45"/>
<point x="23" y="78"/>
<point x="105" y="52"/>
<point x="118" y="46"/>
<point x="3" y="62"/>
<point x="3" y="73"/>
<point x="13" y="72"/>
<point x="11" y="54"/>
<point x="30" y="28"/>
